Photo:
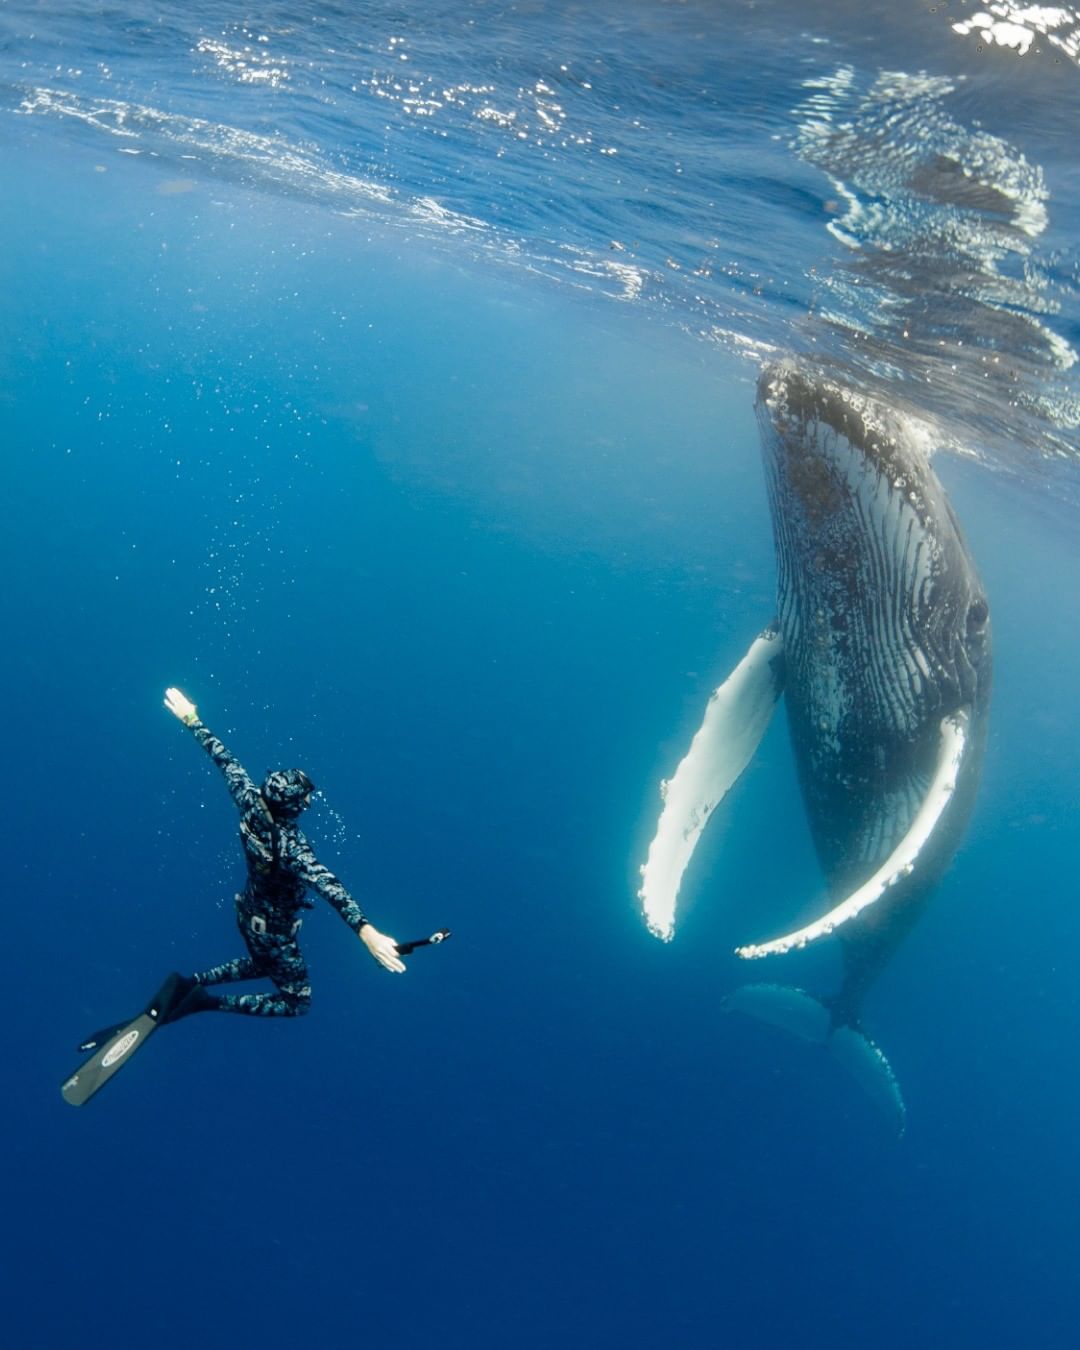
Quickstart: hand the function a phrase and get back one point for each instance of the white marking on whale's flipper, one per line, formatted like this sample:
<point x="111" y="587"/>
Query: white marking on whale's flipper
<point x="797" y="1012"/>
<point x="735" y="721"/>
<point x="900" y="862"/>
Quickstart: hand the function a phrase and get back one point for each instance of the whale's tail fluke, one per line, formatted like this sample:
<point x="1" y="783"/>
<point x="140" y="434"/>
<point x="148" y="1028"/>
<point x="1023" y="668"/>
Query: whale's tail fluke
<point x="802" y="1015"/>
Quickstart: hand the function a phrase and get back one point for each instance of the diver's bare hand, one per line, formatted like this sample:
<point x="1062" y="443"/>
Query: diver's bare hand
<point x="181" y="707"/>
<point x="382" y="948"/>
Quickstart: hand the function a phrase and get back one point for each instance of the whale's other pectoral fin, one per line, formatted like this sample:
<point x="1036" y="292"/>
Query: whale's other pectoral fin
<point x="901" y="862"/>
<point x="797" y="1012"/>
<point x="735" y="721"/>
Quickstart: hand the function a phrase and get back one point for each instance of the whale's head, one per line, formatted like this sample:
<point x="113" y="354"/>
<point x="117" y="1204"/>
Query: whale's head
<point x="879" y="600"/>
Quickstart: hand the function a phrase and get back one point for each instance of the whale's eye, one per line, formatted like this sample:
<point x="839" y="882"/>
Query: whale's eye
<point x="977" y="615"/>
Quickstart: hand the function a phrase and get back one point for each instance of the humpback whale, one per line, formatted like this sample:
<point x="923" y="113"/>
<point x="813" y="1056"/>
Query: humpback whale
<point x="880" y="649"/>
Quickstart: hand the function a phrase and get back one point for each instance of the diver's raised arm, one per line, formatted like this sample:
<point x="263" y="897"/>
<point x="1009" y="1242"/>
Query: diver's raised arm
<point x="241" y="787"/>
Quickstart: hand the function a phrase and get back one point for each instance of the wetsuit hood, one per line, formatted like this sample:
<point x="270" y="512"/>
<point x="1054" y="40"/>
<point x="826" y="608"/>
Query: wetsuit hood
<point x="287" y="792"/>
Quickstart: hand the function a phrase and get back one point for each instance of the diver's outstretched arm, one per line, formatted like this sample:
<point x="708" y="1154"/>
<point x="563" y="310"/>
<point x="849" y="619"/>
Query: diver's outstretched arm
<point x="241" y="787"/>
<point x="314" y="874"/>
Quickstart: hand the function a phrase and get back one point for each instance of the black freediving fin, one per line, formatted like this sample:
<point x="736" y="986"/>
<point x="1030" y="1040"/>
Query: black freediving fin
<point x="802" y="1015"/>
<point x="116" y="1045"/>
<point x="404" y="948"/>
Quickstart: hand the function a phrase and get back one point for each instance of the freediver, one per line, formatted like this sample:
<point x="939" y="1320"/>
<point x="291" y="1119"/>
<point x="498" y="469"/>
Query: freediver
<point x="281" y="867"/>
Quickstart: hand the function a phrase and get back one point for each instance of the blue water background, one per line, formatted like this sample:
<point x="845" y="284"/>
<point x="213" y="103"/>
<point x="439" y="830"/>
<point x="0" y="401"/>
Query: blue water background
<point x="472" y="543"/>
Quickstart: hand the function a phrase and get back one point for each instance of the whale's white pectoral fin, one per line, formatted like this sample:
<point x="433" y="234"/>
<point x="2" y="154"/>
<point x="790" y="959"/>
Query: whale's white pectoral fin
<point x="735" y="721"/>
<point x="901" y="861"/>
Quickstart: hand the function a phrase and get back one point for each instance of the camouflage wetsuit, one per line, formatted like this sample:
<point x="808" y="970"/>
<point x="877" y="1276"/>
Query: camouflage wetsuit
<point x="281" y="867"/>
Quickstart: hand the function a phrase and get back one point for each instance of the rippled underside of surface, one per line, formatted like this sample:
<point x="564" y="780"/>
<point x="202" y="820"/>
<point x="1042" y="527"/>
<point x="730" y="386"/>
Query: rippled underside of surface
<point x="881" y="186"/>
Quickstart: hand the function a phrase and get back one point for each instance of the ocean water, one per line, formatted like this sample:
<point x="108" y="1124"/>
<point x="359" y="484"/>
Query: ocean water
<point x="383" y="376"/>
